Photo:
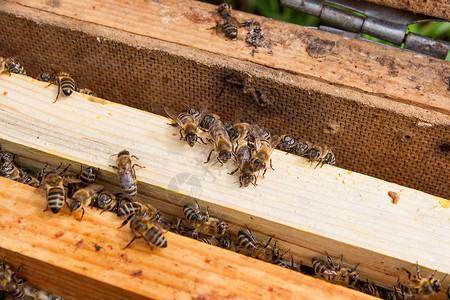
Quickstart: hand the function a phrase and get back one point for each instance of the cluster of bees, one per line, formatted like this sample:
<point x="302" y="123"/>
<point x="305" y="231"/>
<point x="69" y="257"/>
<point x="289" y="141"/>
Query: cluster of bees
<point x="13" y="288"/>
<point x="249" y="146"/>
<point x="65" y="83"/>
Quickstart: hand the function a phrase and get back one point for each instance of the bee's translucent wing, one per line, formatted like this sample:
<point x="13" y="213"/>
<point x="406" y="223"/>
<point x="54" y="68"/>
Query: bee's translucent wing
<point x="173" y="116"/>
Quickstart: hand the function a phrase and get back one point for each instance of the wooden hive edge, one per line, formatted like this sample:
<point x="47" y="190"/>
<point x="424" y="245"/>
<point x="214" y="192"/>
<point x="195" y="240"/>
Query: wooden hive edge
<point x="355" y="219"/>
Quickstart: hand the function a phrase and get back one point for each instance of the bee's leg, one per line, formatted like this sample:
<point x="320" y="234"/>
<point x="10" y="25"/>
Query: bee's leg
<point x="59" y="91"/>
<point x="136" y="165"/>
<point x="114" y="167"/>
<point x="418" y="270"/>
<point x="408" y="272"/>
<point x="197" y="210"/>
<point x="221" y="163"/>
<point x="354" y="268"/>
<point x="234" y="172"/>
<point x="82" y="214"/>
<point x="134" y="238"/>
<point x="264" y="173"/>
<point x="181" y="134"/>
<point x="207" y="213"/>
<point x="271" y="166"/>
<point x="16" y="271"/>
<point x="210" y="140"/>
<point x="340" y="262"/>
<point x="135" y="157"/>
<point x="202" y="140"/>
<point x="209" y="157"/>
<point x="267" y="243"/>
<point x="126" y="220"/>
<point x="330" y="262"/>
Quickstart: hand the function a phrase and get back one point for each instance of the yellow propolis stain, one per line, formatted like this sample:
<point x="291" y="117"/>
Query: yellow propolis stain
<point x="444" y="203"/>
<point x="97" y="117"/>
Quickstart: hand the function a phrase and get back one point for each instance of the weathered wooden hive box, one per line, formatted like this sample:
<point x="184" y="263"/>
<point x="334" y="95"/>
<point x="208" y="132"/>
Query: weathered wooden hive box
<point x="384" y="112"/>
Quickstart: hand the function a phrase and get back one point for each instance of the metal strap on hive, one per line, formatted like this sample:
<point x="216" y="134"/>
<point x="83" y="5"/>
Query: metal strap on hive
<point x="385" y="23"/>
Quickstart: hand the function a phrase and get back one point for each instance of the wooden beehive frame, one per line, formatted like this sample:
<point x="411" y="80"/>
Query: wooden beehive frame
<point x="308" y="210"/>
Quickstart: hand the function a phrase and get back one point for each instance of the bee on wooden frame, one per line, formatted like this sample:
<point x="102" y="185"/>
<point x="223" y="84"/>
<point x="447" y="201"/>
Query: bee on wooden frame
<point x="108" y="201"/>
<point x="263" y="149"/>
<point x="11" y="65"/>
<point x="340" y="275"/>
<point x="88" y="175"/>
<point x="9" y="283"/>
<point x="418" y="286"/>
<point x="227" y="24"/>
<point x="84" y="197"/>
<point x="53" y="183"/>
<point x="65" y="83"/>
<point x="150" y="230"/>
<point x="125" y="170"/>
<point x="321" y="154"/>
<point x="198" y="224"/>
<point x="189" y="125"/>
<point x="128" y="209"/>
<point x="246" y="168"/>
<point x="222" y="144"/>
<point x="249" y="246"/>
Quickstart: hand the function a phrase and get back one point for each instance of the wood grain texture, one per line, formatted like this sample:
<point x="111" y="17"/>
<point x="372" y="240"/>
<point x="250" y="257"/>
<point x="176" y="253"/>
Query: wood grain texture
<point x="308" y="210"/>
<point x="85" y="260"/>
<point x="435" y="8"/>
<point x="361" y="66"/>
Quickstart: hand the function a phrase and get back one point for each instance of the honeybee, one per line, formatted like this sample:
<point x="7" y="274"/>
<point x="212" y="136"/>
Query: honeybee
<point x="322" y="154"/>
<point x="87" y="92"/>
<point x="107" y="201"/>
<point x="248" y="173"/>
<point x="148" y="229"/>
<point x="8" y="282"/>
<point x="222" y="144"/>
<point x="302" y="148"/>
<point x="229" y="26"/>
<point x="189" y="125"/>
<point x="339" y="275"/>
<point x="84" y="197"/>
<point x="9" y="168"/>
<point x="224" y="10"/>
<point x="88" y="175"/>
<point x="238" y="131"/>
<point x="211" y="227"/>
<point x="27" y="178"/>
<point x="53" y="183"/>
<point x="263" y="150"/>
<point x="287" y="143"/>
<point x="249" y="246"/>
<point x="418" y="286"/>
<point x="10" y="65"/>
<point x="207" y="121"/>
<point x="125" y="170"/>
<point x="128" y="209"/>
<point x="45" y="77"/>
<point x="370" y="288"/>
<point x="65" y="83"/>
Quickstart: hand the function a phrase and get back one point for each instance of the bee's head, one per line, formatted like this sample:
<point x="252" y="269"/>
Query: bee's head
<point x="224" y="9"/>
<point x="246" y="179"/>
<point x="74" y="205"/>
<point x="191" y="139"/>
<point x="224" y="156"/>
